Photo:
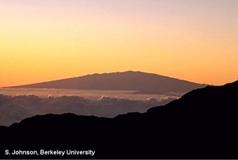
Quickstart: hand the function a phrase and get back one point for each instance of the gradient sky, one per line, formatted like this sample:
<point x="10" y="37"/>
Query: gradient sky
<point x="41" y="40"/>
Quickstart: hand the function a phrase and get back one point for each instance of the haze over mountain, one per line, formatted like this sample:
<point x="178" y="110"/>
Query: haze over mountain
<point x="137" y="81"/>
<point x="16" y="108"/>
<point x="202" y="124"/>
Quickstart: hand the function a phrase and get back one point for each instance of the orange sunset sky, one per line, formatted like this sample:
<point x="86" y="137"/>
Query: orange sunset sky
<point x="41" y="40"/>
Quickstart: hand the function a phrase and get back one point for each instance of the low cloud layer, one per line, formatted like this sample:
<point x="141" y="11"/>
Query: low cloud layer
<point x="16" y="108"/>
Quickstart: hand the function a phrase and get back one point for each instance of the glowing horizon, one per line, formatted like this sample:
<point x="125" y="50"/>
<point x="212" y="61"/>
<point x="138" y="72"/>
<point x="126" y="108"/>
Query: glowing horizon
<point x="55" y="39"/>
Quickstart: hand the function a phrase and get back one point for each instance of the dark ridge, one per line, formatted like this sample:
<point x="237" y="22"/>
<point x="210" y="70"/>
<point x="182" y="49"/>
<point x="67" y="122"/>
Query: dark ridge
<point x="202" y="124"/>
<point x="2" y="128"/>
<point x="138" y="81"/>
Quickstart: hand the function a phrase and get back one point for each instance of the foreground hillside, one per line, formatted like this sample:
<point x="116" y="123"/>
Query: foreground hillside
<point x="138" y="81"/>
<point x="202" y="124"/>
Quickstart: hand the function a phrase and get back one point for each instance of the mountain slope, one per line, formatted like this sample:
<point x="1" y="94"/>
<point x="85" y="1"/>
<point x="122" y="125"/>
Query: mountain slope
<point x="202" y="124"/>
<point x="139" y="81"/>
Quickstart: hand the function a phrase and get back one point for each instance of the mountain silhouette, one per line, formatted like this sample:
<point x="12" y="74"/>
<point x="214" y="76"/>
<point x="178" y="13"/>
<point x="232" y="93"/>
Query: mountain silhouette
<point x="138" y="81"/>
<point x="201" y="124"/>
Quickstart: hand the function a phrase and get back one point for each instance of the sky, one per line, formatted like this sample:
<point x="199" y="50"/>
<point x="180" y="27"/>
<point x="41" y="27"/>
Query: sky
<point x="43" y="40"/>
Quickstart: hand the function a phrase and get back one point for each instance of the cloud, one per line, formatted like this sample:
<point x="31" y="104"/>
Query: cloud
<point x="16" y="108"/>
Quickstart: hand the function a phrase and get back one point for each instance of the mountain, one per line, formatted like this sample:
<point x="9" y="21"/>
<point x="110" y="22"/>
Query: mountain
<point x="201" y="124"/>
<point x="138" y="81"/>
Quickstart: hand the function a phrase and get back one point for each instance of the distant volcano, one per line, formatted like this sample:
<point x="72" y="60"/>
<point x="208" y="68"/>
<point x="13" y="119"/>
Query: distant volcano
<point x="137" y="81"/>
